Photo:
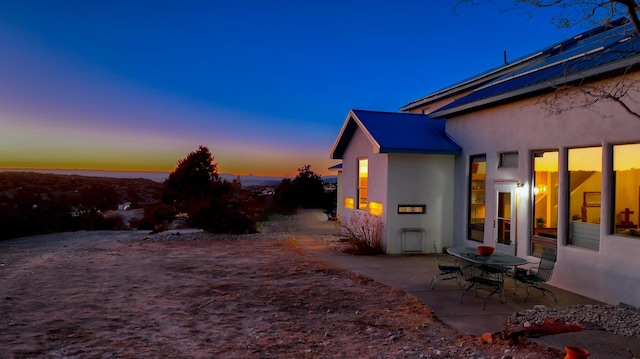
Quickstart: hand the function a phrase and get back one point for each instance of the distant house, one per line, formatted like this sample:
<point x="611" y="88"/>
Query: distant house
<point x="124" y="206"/>
<point x="505" y="159"/>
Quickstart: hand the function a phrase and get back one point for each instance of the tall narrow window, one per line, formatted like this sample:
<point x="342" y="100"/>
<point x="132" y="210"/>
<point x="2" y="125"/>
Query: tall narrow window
<point x="477" y="197"/>
<point x="363" y="182"/>
<point x="585" y="182"/>
<point x="544" y="201"/>
<point x="626" y="196"/>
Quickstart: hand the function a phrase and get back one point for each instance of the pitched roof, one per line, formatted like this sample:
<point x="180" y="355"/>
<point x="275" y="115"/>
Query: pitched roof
<point x="607" y="48"/>
<point x="396" y="132"/>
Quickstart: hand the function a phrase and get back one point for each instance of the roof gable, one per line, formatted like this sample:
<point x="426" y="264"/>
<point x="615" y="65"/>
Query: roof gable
<point x="396" y="132"/>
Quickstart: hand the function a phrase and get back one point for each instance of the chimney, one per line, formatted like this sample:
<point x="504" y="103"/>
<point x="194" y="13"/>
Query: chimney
<point x="504" y="55"/>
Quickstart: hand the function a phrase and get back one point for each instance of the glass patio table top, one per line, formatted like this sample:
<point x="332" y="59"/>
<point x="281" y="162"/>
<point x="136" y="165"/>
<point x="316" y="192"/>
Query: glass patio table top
<point x="495" y="259"/>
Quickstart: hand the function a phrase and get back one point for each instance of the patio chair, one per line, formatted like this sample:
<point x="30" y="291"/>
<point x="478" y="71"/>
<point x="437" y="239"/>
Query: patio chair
<point x="478" y="278"/>
<point x="448" y="268"/>
<point x="534" y="277"/>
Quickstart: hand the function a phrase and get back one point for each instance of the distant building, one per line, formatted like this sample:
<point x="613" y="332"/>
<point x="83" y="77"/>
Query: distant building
<point x="124" y="206"/>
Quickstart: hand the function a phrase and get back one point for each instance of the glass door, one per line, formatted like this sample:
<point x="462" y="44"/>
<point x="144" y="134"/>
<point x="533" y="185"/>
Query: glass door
<point x="505" y="214"/>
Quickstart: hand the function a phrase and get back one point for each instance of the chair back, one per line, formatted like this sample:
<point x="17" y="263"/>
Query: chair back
<point x="547" y="263"/>
<point x="435" y="251"/>
<point x="468" y="269"/>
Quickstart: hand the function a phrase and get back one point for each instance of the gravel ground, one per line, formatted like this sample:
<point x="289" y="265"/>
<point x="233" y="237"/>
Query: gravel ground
<point x="622" y="320"/>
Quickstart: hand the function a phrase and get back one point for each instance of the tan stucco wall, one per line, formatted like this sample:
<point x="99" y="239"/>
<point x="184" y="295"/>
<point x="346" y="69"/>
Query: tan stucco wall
<point x="525" y="126"/>
<point x="421" y="179"/>
<point x="361" y="147"/>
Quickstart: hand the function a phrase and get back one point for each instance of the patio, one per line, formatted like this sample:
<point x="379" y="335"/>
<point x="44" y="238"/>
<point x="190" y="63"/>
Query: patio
<point x="413" y="273"/>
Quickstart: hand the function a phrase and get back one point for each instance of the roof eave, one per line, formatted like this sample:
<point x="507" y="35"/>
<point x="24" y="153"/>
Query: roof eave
<point x="351" y="117"/>
<point x="420" y="151"/>
<point x="538" y="87"/>
<point x="466" y="85"/>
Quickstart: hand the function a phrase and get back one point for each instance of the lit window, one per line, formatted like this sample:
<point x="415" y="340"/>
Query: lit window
<point x="585" y="182"/>
<point x="348" y="203"/>
<point x="544" y="201"/>
<point x="626" y="174"/>
<point x="477" y="196"/>
<point x="363" y="182"/>
<point x="412" y="209"/>
<point x="375" y="208"/>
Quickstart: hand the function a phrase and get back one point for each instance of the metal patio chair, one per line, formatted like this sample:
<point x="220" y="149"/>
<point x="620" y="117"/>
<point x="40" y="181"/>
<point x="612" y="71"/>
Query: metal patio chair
<point x="448" y="268"/>
<point x="534" y="277"/>
<point x="478" y="278"/>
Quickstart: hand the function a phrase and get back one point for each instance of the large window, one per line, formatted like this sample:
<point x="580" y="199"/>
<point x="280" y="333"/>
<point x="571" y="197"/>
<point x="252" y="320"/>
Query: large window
<point x="477" y="197"/>
<point x="363" y="182"/>
<point x="585" y="183"/>
<point x="626" y="196"/>
<point x="545" y="201"/>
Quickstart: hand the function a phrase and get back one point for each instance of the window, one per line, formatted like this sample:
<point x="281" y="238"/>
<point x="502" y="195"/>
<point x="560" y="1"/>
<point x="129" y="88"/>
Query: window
<point x="412" y="209"/>
<point x="626" y="190"/>
<point x="375" y="208"/>
<point x="348" y="203"/>
<point x="508" y="160"/>
<point x="585" y="180"/>
<point x="363" y="182"/>
<point x="544" y="200"/>
<point x="477" y="195"/>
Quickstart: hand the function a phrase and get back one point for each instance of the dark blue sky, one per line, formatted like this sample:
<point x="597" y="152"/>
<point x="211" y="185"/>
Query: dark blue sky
<point x="266" y="85"/>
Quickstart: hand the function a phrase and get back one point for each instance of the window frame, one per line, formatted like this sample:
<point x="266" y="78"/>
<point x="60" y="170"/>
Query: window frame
<point x="615" y="228"/>
<point x="539" y="238"/>
<point x="360" y="188"/>
<point x="589" y="236"/>
<point x="472" y="227"/>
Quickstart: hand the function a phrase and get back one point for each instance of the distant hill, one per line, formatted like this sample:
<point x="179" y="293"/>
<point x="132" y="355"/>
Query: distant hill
<point x="251" y="180"/>
<point x="248" y="180"/>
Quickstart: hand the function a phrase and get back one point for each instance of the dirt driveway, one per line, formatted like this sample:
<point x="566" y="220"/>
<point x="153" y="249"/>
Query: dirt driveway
<point x="129" y="295"/>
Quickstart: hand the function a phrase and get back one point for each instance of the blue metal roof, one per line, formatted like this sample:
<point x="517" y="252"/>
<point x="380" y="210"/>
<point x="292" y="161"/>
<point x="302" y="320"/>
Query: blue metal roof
<point x="397" y="132"/>
<point x="564" y="62"/>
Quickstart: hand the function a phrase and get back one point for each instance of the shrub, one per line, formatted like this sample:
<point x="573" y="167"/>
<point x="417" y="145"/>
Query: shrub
<point x="363" y="233"/>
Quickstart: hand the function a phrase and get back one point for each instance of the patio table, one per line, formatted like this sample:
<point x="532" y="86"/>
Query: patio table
<point x="492" y="269"/>
<point x="496" y="259"/>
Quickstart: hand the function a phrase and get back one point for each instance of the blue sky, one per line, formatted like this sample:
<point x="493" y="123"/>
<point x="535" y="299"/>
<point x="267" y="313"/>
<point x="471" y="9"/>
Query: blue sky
<point x="266" y="85"/>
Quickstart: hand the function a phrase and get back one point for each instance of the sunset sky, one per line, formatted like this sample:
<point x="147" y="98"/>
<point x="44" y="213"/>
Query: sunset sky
<point x="266" y="85"/>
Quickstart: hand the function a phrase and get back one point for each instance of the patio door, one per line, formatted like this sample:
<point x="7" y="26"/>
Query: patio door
<point x="505" y="217"/>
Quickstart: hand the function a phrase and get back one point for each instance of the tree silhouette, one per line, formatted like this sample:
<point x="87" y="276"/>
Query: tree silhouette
<point x="573" y="12"/>
<point x="217" y="206"/>
<point x="306" y="190"/>
<point x="192" y="178"/>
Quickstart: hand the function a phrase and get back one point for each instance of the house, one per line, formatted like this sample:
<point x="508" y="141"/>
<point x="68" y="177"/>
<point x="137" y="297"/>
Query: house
<point x="124" y="206"/>
<point x="539" y="152"/>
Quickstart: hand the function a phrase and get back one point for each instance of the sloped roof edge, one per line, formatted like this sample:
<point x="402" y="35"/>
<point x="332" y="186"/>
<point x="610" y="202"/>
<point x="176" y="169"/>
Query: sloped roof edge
<point x="484" y="78"/>
<point x="349" y="127"/>
<point x="453" y="109"/>
<point x="396" y="132"/>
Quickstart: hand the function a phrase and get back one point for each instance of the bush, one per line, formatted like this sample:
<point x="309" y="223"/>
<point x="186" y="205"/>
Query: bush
<point x="363" y="233"/>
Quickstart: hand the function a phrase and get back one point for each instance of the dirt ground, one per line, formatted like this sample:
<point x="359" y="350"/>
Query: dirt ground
<point x="128" y="295"/>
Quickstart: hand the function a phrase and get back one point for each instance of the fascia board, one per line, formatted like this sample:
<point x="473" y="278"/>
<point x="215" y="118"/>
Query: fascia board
<point x="466" y="85"/>
<point x="534" y="88"/>
<point x="352" y="117"/>
<point x="340" y="135"/>
<point x="366" y="132"/>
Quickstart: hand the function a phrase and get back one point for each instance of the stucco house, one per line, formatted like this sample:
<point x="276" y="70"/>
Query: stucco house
<point x="540" y="152"/>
